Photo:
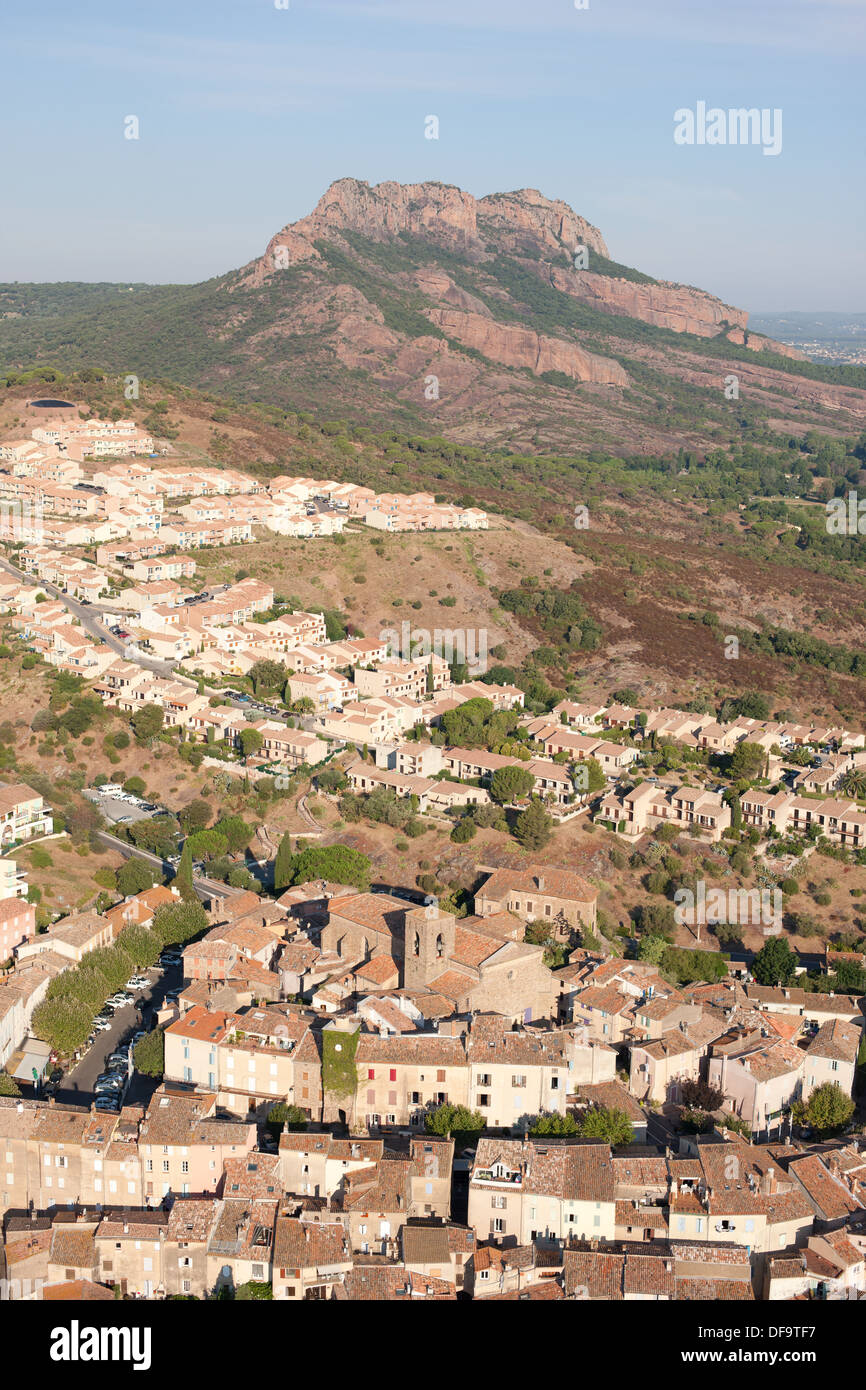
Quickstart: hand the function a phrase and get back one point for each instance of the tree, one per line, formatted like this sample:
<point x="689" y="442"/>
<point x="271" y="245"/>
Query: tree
<point x="207" y="844"/>
<point x="333" y="863"/>
<point x="8" y="1085"/>
<point x="239" y="877"/>
<point x="236" y="831"/>
<point x="140" y="945"/>
<point x="849" y="977"/>
<point x="149" y="1054"/>
<point x="827" y="1109"/>
<point x="331" y="779"/>
<point x="651" y="948"/>
<point x="775" y="963"/>
<point x="183" y="879"/>
<point x="588" y="777"/>
<point x="135" y="786"/>
<point x="159" y="836"/>
<point x="534" y="826"/>
<point x="283" y="864"/>
<point x="614" y="1126"/>
<point x="64" y="1022"/>
<point x="254" y="1290"/>
<point x="267" y="675"/>
<point x="195" y="815"/>
<point x="134" y="876"/>
<point x="747" y="761"/>
<point x="509" y="784"/>
<point x="290" y="1117"/>
<point x="700" y="1095"/>
<point x="463" y="1124"/>
<point x="544" y="1125"/>
<point x="853" y="784"/>
<point x="176" y="923"/>
<point x="251" y="742"/>
<point x="464" y="830"/>
<point x="147" y="722"/>
<point x="656" y="919"/>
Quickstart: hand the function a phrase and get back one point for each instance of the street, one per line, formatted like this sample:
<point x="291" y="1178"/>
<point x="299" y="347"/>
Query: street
<point x="91" y="623"/>
<point x="77" y="1085"/>
<point x="207" y="887"/>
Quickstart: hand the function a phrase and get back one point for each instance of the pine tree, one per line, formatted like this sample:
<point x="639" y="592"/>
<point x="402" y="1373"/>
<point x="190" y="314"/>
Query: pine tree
<point x="183" y="881"/>
<point x="533" y="827"/>
<point x="284" y="864"/>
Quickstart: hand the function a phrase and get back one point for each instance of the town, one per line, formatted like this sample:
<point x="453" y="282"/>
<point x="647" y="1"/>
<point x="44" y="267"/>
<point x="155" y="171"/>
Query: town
<point x="248" y="1070"/>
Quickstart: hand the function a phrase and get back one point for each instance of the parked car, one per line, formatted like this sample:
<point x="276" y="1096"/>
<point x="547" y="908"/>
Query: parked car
<point x="110" y="1104"/>
<point x="101" y="1024"/>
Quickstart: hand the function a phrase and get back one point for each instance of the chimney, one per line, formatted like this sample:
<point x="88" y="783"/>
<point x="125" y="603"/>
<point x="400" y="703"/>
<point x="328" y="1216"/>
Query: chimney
<point x="540" y="882"/>
<point x="126" y="1228"/>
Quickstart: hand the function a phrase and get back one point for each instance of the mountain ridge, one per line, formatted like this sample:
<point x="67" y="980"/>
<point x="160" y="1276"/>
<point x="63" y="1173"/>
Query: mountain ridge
<point x="499" y="321"/>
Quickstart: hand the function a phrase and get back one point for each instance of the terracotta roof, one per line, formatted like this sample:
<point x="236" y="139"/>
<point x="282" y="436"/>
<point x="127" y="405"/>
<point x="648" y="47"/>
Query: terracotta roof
<point x="306" y="1244"/>
<point x="77" y="1291"/>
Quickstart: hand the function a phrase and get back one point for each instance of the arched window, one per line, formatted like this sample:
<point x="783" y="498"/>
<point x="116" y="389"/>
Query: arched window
<point x="416" y="945"/>
<point x="440" y="947"/>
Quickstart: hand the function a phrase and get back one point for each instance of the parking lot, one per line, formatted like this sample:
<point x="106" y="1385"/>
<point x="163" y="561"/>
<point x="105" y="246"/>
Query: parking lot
<point x="119" y="807"/>
<point x="78" y="1086"/>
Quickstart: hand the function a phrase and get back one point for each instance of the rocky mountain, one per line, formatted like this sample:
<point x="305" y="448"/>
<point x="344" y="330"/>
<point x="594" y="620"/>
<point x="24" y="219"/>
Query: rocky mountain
<point x="501" y="320"/>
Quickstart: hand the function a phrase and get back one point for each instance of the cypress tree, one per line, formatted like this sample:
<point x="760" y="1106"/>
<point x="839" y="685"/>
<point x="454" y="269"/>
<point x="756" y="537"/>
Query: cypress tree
<point x="283" y="865"/>
<point x="183" y="878"/>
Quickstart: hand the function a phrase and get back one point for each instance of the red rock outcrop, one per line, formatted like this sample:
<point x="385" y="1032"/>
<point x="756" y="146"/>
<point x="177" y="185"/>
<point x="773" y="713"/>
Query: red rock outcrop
<point x="521" y="347"/>
<point x="677" y="307"/>
<point x="438" y="212"/>
<point x="548" y="223"/>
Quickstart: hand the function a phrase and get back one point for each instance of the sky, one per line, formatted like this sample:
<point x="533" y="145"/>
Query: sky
<point x="247" y="110"/>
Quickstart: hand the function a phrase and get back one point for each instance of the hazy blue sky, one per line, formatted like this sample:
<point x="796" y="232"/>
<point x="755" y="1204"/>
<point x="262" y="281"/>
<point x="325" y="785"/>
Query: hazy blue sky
<point x="247" y="112"/>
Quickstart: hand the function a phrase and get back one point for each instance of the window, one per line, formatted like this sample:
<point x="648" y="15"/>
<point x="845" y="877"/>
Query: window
<point x="440" y="1075"/>
<point x="184" y="1167"/>
<point x="258" y="1271"/>
<point x="499" y="1203"/>
<point x="518" y="1081"/>
<point x="498" y="1225"/>
<point x="392" y="1074"/>
<point x="165" y="1165"/>
<point x="371" y="1073"/>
